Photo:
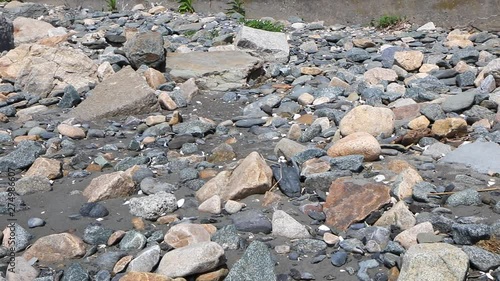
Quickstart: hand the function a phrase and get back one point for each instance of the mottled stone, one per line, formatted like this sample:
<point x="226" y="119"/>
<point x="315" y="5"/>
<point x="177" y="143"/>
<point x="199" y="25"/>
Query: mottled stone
<point x="354" y="144"/>
<point x="56" y="248"/>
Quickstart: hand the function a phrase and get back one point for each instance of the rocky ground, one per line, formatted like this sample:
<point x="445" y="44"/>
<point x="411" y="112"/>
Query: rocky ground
<point x="149" y="145"/>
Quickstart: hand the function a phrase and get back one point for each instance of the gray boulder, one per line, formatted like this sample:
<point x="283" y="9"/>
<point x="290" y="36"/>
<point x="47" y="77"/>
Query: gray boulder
<point x="146" y="49"/>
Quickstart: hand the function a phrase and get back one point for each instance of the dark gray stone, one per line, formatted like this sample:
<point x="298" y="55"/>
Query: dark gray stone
<point x="102" y="275"/>
<point x="145" y="260"/>
<point x="458" y="102"/>
<point x="133" y="240"/>
<point x="363" y="269"/>
<point x="466" y="79"/>
<point x="129" y="162"/>
<point x="307" y="154"/>
<point x="469" y="55"/>
<point x="22" y="236"/>
<point x="466" y="197"/>
<point x="256" y="264"/>
<point x="288" y="177"/>
<point x="195" y="128"/>
<point x="75" y="272"/>
<point x="35" y="222"/>
<point x="481" y="259"/>
<point x="252" y="221"/>
<point x="70" y="98"/>
<point x="152" y="185"/>
<point x="247" y="123"/>
<point x="352" y="163"/>
<point x="310" y="133"/>
<point x="480" y="156"/>
<point x="96" y="234"/>
<point x="11" y="203"/>
<point x="432" y="111"/>
<point x="146" y="49"/>
<point x="25" y="154"/>
<point x="9" y="111"/>
<point x="421" y="191"/>
<point x="469" y="234"/>
<point x="228" y="238"/>
<point x="107" y="260"/>
<point x="339" y="258"/>
<point x="305" y="246"/>
<point x="6" y="34"/>
<point x="357" y="55"/>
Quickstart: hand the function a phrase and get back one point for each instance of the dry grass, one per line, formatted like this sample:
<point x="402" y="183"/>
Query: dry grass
<point x="491" y="245"/>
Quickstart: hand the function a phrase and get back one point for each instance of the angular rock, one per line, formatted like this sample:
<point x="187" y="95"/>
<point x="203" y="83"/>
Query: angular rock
<point x="45" y="167"/>
<point x="21" y="271"/>
<point x="343" y="203"/>
<point x="25" y="154"/>
<point x="124" y="93"/>
<point x="185" y="234"/>
<point x="408" y="237"/>
<point x="71" y="131"/>
<point x="360" y="143"/>
<point x="217" y="71"/>
<point x="153" y="206"/>
<point x="404" y="183"/>
<point x="377" y="74"/>
<point x="28" y="30"/>
<point x="271" y="46"/>
<point x="56" y="248"/>
<point x="145" y="260"/>
<point x="212" y="205"/>
<point x="252" y="221"/>
<point x="146" y="48"/>
<point x="409" y="60"/>
<point x="144" y="276"/>
<point x="256" y="264"/>
<point x="192" y="259"/>
<point x="6" y="34"/>
<point x="435" y="261"/>
<point x="286" y="226"/>
<point x="32" y="184"/>
<point x="480" y="156"/>
<point x="399" y="215"/>
<point x="481" y="259"/>
<point x="365" y="118"/>
<point x="288" y="148"/>
<point x="113" y="185"/>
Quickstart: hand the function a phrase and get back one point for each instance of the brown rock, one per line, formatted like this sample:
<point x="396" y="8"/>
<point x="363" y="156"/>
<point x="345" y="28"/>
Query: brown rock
<point x="288" y="148"/>
<point x="311" y="70"/>
<point x="114" y="185"/>
<point x="154" y="77"/>
<point x="407" y="112"/>
<point x="398" y="165"/>
<point x="218" y="275"/>
<point x="28" y="30"/>
<point x="56" y="248"/>
<point x="306" y="119"/>
<point x="357" y="143"/>
<point x="71" y="131"/>
<point x="409" y="60"/>
<point x="377" y="74"/>
<point x="92" y="167"/>
<point x="175" y="119"/>
<point x="314" y="166"/>
<point x="363" y="43"/>
<point x="408" y="237"/>
<point x="413" y="136"/>
<point x="294" y="132"/>
<point x="366" y="118"/>
<point x="122" y="264"/>
<point x="406" y="180"/>
<point x="166" y="101"/>
<point x="207" y="173"/>
<point x="305" y="99"/>
<point x="138" y="223"/>
<point x="167" y="219"/>
<point x="19" y="139"/>
<point x="271" y="198"/>
<point x="184" y="234"/>
<point x="419" y="123"/>
<point x="337" y="82"/>
<point x="450" y="127"/>
<point x="399" y="215"/>
<point x="155" y="120"/>
<point x="349" y="202"/>
<point x="116" y="237"/>
<point x="393" y="274"/>
<point x="189" y="89"/>
<point x="144" y="276"/>
<point x="222" y="153"/>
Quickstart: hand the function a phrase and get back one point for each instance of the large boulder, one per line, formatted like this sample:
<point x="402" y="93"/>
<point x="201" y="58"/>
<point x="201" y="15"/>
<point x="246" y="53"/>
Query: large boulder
<point x="6" y="34"/>
<point x="217" y="71"/>
<point x="366" y="118"/>
<point x="27" y="30"/>
<point x="271" y="46"/>
<point x="44" y="70"/>
<point x="146" y="48"/>
<point x="124" y="93"/>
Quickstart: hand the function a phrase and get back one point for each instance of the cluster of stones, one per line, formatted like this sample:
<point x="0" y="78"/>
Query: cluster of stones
<point x="347" y="149"/>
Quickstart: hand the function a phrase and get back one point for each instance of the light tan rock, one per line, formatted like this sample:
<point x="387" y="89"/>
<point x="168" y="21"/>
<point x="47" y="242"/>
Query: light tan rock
<point x="232" y="207"/>
<point x="363" y="43"/>
<point x="399" y="215"/>
<point x="366" y="118"/>
<point x="285" y="225"/>
<point x="28" y="30"/>
<point x="49" y="168"/>
<point x="71" y="131"/>
<point x="21" y="270"/>
<point x="154" y="77"/>
<point x="144" y="276"/>
<point x="305" y="99"/>
<point x="449" y="127"/>
<point x="212" y="205"/>
<point x="113" y="185"/>
<point x="155" y="120"/>
<point x="122" y="263"/>
<point x="314" y="166"/>
<point x="213" y="276"/>
<point x="461" y="43"/>
<point x="408" y="237"/>
<point x="427" y="67"/>
<point x="157" y="10"/>
<point x="184" y="234"/>
<point x="409" y="60"/>
<point x="377" y="74"/>
<point x="56" y="248"/>
<point x="104" y="71"/>
<point x="294" y="132"/>
<point x="311" y="70"/>
<point x="419" y="123"/>
<point x="404" y="183"/>
<point x="357" y="143"/>
<point x="330" y="238"/>
<point x="189" y="89"/>
<point x="166" y="102"/>
<point x="337" y="82"/>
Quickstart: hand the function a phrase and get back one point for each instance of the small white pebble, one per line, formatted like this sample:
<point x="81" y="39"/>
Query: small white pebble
<point x="379" y="178"/>
<point x="180" y="202"/>
<point x="324" y="228"/>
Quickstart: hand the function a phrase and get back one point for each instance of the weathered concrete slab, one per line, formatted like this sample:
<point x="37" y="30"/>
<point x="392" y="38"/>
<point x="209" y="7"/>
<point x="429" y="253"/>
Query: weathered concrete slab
<point x="217" y="71"/>
<point x="271" y="46"/>
<point x="123" y="93"/>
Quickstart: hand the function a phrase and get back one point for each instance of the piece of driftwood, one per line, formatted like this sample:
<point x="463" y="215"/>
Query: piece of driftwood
<point x="453" y="192"/>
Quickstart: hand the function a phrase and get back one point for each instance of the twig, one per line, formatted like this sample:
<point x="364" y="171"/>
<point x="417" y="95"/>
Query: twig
<point x="453" y="192"/>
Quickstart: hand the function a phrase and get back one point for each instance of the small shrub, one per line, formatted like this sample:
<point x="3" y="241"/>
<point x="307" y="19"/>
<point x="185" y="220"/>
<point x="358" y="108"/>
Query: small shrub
<point x="213" y="34"/>
<point x="112" y="5"/>
<point x="186" y="6"/>
<point x="387" y="21"/>
<point x="264" y="25"/>
<point x="189" y="33"/>
<point x="236" y="6"/>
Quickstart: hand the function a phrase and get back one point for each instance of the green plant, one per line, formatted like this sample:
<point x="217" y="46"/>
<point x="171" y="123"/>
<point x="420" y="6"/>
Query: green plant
<point x="264" y="25"/>
<point x="112" y="5"/>
<point x="213" y="34"/>
<point x="189" y="33"/>
<point x="387" y="21"/>
<point x="236" y="6"/>
<point x="186" y="6"/>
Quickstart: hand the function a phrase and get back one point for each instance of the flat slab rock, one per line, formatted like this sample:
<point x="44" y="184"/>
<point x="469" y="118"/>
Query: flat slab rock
<point x="480" y="156"/>
<point x="217" y="71"/>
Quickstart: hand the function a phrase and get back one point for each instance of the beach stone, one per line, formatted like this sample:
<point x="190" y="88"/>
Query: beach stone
<point x="306" y="246"/>
<point x="491" y="68"/>
<point x="361" y="119"/>
<point x="251" y="176"/>
<point x="271" y="46"/>
<point x="360" y="143"/>
<point x="93" y="210"/>
<point x="437" y="150"/>
<point x="377" y="74"/>
<point x="145" y="260"/>
<point x="6" y="34"/>
<point x="185" y="234"/>
<point x="144" y="276"/>
<point x="252" y="221"/>
<point x="256" y="264"/>
<point x="285" y="225"/>
<point x="458" y="102"/>
<point x="154" y="78"/>
<point x="96" y="234"/>
<point x="32" y="67"/>
<point x="481" y="259"/>
<point x="70" y="98"/>
<point x="153" y="206"/>
<point x="228" y="238"/>
<point x="56" y="248"/>
<point x="409" y="60"/>
<point x="232" y="207"/>
<point x="435" y="261"/>
<point x="107" y="186"/>
<point x="408" y="237"/>
<point x="132" y="240"/>
<point x="75" y="272"/>
<point x="399" y="215"/>
<point x="23" y="156"/>
<point x="419" y="123"/>
<point x="344" y="195"/>
<point x="217" y="71"/>
<point x="110" y="98"/>
<point x="35" y="222"/>
<point x="22" y="271"/>
<point x="480" y="156"/>
<point x="146" y="48"/>
<point x="21" y="237"/>
<point x="449" y="127"/>
<point x="339" y="258"/>
<point x="357" y="55"/>
<point x="404" y="183"/>
<point x="189" y="89"/>
<point x="192" y="259"/>
<point x="217" y="275"/>
<point x="71" y="131"/>
<point x="45" y="167"/>
<point x="221" y="153"/>
<point x="32" y="184"/>
<point x="27" y="30"/>
<point x="288" y="148"/>
<point x="212" y="205"/>
<point x="469" y="234"/>
<point x="468" y="197"/>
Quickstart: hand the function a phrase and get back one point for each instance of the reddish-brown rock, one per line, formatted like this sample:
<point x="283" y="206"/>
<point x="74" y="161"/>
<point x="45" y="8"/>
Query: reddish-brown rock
<point x="185" y="234"/>
<point x="56" y="248"/>
<point x="350" y="202"/>
<point x="144" y="276"/>
<point x="114" y="185"/>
